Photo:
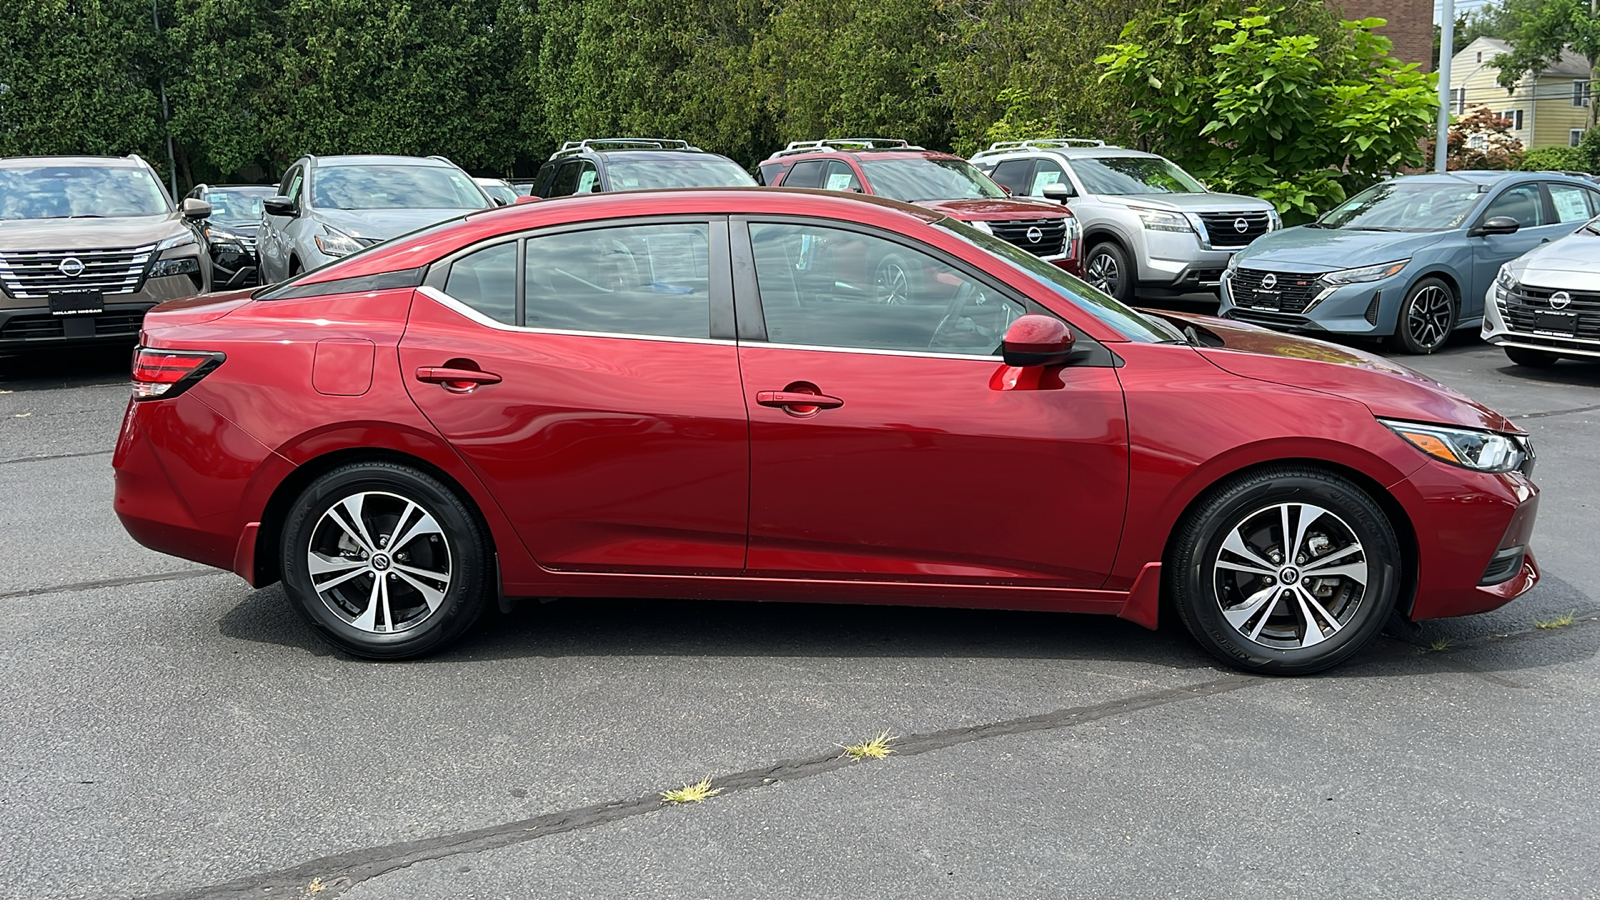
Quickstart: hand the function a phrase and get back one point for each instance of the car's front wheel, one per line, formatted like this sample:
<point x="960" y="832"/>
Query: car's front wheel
<point x="1427" y="316"/>
<point x="1533" y="359"/>
<point x="384" y="560"/>
<point x="1285" y="571"/>
<point x="1107" y="268"/>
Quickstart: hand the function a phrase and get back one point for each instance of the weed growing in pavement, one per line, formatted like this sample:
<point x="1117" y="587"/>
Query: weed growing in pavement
<point x="877" y="748"/>
<point x="1557" y="622"/>
<point x="691" y="793"/>
<point x="1438" y="646"/>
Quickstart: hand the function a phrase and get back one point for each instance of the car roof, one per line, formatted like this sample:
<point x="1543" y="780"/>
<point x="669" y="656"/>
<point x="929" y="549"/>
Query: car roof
<point x="862" y="155"/>
<point x="376" y="159"/>
<point x="645" y="151"/>
<point x="1484" y="177"/>
<point x="240" y="187"/>
<point x="110" y="162"/>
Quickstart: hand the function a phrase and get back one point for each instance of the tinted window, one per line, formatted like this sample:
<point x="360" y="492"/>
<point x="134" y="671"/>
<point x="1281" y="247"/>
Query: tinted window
<point x="645" y="279"/>
<point x="1522" y="203"/>
<point x="288" y="183"/>
<point x="1572" y="203"/>
<point x="59" y="192"/>
<point x="566" y="180"/>
<point x="395" y="187"/>
<point x="487" y="282"/>
<point x="829" y="287"/>
<point x="806" y="174"/>
<point x="1015" y="175"/>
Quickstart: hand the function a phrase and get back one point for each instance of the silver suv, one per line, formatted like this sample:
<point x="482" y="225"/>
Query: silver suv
<point x="332" y="206"/>
<point x="1146" y="223"/>
<point x="87" y="244"/>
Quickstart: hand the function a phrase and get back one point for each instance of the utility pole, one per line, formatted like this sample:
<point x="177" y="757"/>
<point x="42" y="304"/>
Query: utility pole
<point x="1447" y="49"/>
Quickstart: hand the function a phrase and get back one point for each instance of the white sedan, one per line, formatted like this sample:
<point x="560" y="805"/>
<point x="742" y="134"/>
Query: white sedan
<point x="1545" y="304"/>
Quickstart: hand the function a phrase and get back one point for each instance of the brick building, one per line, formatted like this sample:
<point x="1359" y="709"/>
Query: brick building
<point x="1410" y="25"/>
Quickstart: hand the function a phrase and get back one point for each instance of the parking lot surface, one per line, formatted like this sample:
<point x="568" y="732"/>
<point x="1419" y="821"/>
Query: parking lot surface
<point x="170" y="732"/>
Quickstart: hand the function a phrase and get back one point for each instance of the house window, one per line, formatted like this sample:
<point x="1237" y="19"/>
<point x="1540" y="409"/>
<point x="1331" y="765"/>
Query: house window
<point x="1580" y="92"/>
<point x="1458" y="100"/>
<point x="1515" y="115"/>
<point x="1478" y="141"/>
<point x="1574" y="137"/>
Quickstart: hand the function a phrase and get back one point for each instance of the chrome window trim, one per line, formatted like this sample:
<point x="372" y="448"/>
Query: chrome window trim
<point x="455" y="305"/>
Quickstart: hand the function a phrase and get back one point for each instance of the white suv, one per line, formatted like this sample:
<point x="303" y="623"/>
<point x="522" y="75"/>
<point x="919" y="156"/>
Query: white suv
<point x="1146" y="223"/>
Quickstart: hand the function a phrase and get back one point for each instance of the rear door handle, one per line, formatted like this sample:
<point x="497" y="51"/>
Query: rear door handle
<point x="455" y="379"/>
<point x="792" y="399"/>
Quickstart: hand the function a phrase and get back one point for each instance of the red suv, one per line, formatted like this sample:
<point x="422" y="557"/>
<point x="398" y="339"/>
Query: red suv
<point x="899" y="171"/>
<point x="702" y="394"/>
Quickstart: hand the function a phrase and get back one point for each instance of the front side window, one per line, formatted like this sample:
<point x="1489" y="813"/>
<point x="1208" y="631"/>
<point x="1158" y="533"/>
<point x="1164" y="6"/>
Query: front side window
<point x="487" y="282"/>
<point x="830" y="287"/>
<point x="840" y="177"/>
<point x="78" y="191"/>
<point x="1572" y="203"/>
<point x="1405" y="206"/>
<point x="914" y="179"/>
<point x="394" y="187"/>
<point x="640" y="279"/>
<point x="1048" y="173"/>
<point x="1522" y="203"/>
<point x="1133" y="175"/>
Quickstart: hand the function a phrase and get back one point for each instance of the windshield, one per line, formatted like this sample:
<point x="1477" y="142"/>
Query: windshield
<point x="498" y="190"/>
<point x="237" y="206"/>
<point x="1071" y="288"/>
<point x="645" y="171"/>
<point x="920" y="178"/>
<point x="394" y="187"/>
<point x="1134" y="175"/>
<point x="1405" y="206"/>
<point x="70" y="192"/>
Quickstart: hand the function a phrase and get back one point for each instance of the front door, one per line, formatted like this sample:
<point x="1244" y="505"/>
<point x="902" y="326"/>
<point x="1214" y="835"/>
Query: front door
<point x="579" y="374"/>
<point x="923" y="457"/>
<point x="1541" y="222"/>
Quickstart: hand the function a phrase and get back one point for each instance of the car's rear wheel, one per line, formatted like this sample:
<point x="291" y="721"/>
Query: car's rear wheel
<point x="384" y="560"/>
<point x="891" y="280"/>
<point x="1285" y="571"/>
<point x="1533" y="359"/>
<point x="1427" y="316"/>
<point x="1107" y="268"/>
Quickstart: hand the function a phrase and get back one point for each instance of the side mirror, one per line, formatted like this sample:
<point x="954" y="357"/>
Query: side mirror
<point x="1497" y="225"/>
<point x="280" y="206"/>
<point x="1004" y="188"/>
<point x="499" y="201"/>
<point x="194" y="208"/>
<point x="1058" y="191"/>
<point x="1035" y="340"/>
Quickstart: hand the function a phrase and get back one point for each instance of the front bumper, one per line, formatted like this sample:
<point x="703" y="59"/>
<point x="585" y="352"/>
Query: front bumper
<point x="1174" y="261"/>
<point x="1499" y="330"/>
<point x="232" y="266"/>
<point x="1368" y="309"/>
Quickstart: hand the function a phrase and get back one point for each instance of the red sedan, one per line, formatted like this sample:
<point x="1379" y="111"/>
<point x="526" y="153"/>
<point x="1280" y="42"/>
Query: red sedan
<point x="704" y="394"/>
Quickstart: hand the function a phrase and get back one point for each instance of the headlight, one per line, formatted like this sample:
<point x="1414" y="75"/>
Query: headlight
<point x="218" y="236"/>
<point x="1484" y="451"/>
<point x="1505" y="281"/>
<point x="982" y="226"/>
<point x="177" y="240"/>
<point x="1072" y="230"/>
<point x="1274" y="221"/>
<point x="1161" y="220"/>
<point x="1233" y="263"/>
<point x="336" y="244"/>
<point x="1365" y="273"/>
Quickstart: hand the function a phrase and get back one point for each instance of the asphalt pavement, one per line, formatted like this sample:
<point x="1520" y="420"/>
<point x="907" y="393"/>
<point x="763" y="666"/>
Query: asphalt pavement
<point x="168" y="732"/>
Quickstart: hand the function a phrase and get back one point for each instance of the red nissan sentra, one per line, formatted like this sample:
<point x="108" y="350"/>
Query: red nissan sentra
<point x="704" y="394"/>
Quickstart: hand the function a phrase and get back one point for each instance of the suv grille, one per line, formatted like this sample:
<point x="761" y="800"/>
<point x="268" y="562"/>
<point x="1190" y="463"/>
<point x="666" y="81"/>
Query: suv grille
<point x="1222" y="228"/>
<point x="122" y="322"/>
<point x="35" y="274"/>
<point x="1519" y="308"/>
<point x="1289" y="292"/>
<point x="1052" y="234"/>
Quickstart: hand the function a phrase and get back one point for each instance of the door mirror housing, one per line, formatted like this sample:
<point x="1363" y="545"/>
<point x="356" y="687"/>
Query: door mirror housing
<point x="1036" y="340"/>
<point x="1497" y="225"/>
<point x="1058" y="191"/>
<point x="195" y="208"/>
<point x="280" y="206"/>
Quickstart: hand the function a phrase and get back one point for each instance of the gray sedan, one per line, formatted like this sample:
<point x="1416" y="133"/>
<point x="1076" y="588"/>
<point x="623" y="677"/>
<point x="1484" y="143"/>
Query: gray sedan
<point x="1409" y="259"/>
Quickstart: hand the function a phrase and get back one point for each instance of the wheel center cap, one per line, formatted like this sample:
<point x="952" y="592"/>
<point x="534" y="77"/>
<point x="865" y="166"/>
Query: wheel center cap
<point x="1289" y="575"/>
<point x="380" y="561"/>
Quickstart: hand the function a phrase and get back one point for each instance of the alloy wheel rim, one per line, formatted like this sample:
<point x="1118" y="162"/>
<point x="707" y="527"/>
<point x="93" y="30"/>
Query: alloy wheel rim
<point x="1428" y="319"/>
<point x="894" y="286"/>
<point x="1290" y="575"/>
<point x="380" y="562"/>
<point x="1103" y="273"/>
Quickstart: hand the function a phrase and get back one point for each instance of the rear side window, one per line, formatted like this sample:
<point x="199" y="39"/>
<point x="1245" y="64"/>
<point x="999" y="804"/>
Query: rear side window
<point x="641" y="279"/>
<point x="806" y="174"/>
<point x="1572" y="203"/>
<point x="487" y="282"/>
<point x="1015" y="175"/>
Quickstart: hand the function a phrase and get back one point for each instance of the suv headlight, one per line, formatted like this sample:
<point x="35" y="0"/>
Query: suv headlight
<point x="1483" y="451"/>
<point x="1161" y="220"/>
<point x="336" y="244"/>
<point x="1274" y="221"/>
<point x="1365" y="273"/>
<point x="177" y="240"/>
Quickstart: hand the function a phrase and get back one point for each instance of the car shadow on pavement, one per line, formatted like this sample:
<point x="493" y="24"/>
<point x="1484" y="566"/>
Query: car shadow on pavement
<point x="56" y="368"/>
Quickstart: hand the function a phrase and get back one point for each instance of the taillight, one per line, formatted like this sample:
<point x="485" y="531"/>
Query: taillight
<point x="160" y="374"/>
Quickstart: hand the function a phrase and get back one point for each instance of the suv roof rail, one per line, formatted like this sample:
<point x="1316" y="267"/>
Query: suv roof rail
<point x="595" y="144"/>
<point x="829" y="145"/>
<point x="1044" y="144"/>
<point x="443" y="159"/>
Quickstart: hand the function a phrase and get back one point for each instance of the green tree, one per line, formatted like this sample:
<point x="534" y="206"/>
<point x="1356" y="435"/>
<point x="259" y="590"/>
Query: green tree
<point x="1541" y="30"/>
<point x="1283" y="113"/>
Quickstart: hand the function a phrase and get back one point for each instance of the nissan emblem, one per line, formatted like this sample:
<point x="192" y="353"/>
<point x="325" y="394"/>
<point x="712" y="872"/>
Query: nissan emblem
<point x="1240" y="225"/>
<point x="71" y="267"/>
<point x="1269" y="282"/>
<point x="1035" y="235"/>
<point x="1560" y="299"/>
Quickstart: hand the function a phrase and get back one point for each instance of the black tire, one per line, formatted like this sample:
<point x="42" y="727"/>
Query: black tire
<point x="1533" y="359"/>
<point x="892" y="281"/>
<point x="1107" y="268"/>
<point x="1219" y="603"/>
<point x="1427" y="318"/>
<point x="388" y="608"/>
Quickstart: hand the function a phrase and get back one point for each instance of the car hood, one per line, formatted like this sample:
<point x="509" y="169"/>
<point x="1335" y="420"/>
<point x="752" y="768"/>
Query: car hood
<point x="1571" y="263"/>
<point x="1306" y="249"/>
<point x="1386" y="388"/>
<point x="88" y="234"/>
<point x="1195" y="203"/>
<point x="382" y="224"/>
<point x="986" y="210"/>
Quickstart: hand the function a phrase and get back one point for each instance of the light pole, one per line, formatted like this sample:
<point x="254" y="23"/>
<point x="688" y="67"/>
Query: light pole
<point x="1447" y="49"/>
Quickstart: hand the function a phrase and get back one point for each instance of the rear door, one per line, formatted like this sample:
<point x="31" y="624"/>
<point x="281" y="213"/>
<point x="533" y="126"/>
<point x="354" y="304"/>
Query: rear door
<point x="589" y="376"/>
<point x="924" y="457"/>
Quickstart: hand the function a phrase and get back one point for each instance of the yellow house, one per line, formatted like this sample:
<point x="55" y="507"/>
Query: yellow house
<point x="1550" y="110"/>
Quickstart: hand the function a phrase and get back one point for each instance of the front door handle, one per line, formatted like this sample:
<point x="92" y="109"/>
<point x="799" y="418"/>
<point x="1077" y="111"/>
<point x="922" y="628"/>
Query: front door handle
<point x="798" y="401"/>
<point x="453" y="379"/>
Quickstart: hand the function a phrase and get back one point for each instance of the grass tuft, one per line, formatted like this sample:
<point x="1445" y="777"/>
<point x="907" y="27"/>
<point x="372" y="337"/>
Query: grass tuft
<point x="1557" y="622"/>
<point x="691" y="793"/>
<point x="1439" y="646"/>
<point x="877" y="748"/>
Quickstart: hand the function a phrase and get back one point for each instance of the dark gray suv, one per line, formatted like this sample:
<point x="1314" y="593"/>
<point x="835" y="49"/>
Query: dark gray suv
<point x="628" y="164"/>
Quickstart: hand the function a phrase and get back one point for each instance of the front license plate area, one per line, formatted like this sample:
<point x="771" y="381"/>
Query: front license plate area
<point x="77" y="303"/>
<point x="1562" y="323"/>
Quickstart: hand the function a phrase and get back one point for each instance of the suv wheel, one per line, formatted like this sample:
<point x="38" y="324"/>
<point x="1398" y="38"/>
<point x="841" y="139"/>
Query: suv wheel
<point x="1427" y="317"/>
<point x="1107" y="268"/>
<point x="1533" y="359"/>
